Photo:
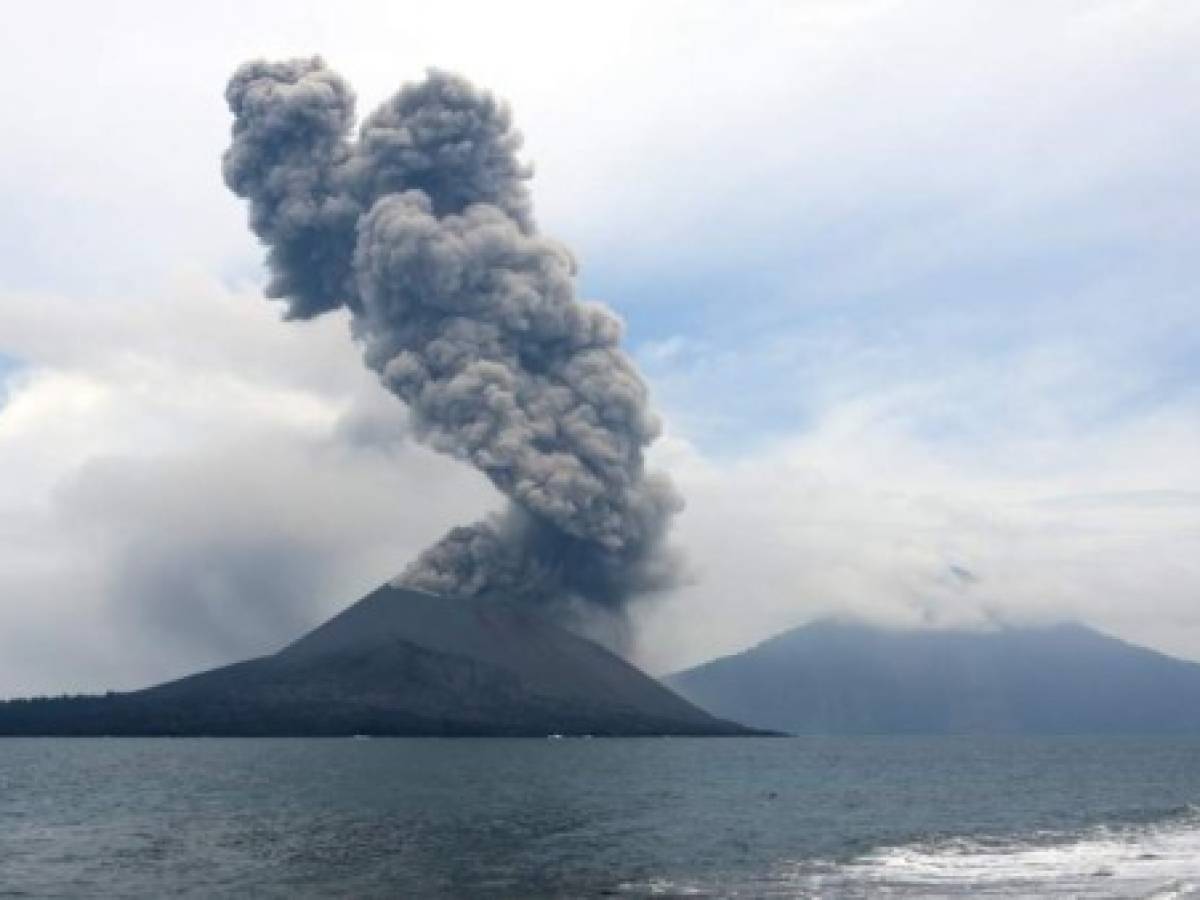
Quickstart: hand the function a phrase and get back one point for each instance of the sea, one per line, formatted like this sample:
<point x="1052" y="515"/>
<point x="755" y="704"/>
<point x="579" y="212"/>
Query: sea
<point x="574" y="817"/>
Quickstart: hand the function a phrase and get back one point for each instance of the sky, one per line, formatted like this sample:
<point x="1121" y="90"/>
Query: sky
<point x="913" y="285"/>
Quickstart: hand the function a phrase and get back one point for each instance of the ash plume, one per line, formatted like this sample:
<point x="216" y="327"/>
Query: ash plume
<point x="423" y="228"/>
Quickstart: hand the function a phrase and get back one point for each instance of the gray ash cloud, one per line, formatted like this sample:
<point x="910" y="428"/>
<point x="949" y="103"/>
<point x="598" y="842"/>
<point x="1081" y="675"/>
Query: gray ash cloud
<point x="422" y="227"/>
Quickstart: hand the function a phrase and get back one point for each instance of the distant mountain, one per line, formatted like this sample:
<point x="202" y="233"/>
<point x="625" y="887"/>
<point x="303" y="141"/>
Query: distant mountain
<point x="398" y="662"/>
<point x="842" y="677"/>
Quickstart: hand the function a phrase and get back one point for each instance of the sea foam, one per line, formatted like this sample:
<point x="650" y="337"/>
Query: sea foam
<point x="1159" y="859"/>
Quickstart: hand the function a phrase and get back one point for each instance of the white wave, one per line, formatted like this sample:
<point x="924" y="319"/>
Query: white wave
<point x="1160" y="861"/>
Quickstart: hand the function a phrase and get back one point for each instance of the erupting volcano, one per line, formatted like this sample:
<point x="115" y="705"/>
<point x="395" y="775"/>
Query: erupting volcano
<point x="423" y="230"/>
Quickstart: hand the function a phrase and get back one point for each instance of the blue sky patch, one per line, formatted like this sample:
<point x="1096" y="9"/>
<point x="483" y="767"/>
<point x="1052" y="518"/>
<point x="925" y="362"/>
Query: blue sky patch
<point x="9" y="366"/>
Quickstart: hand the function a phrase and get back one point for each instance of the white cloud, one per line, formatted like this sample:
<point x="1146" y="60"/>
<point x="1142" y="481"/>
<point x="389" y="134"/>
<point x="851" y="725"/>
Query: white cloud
<point x="194" y="483"/>
<point x="867" y="522"/>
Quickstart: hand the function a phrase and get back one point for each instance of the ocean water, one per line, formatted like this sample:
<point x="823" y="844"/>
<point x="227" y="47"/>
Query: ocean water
<point x="761" y="817"/>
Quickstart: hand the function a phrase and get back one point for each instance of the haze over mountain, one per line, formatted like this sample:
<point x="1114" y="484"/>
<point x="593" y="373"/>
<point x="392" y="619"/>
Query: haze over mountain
<point x="845" y="677"/>
<point x="397" y="662"/>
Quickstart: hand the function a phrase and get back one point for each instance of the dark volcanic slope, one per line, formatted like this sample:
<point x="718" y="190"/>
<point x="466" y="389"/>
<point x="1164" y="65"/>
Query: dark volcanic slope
<point x="397" y="662"/>
<point x="836" y="677"/>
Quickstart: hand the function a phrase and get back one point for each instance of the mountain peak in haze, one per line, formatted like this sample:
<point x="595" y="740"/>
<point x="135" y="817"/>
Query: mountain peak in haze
<point x="845" y="676"/>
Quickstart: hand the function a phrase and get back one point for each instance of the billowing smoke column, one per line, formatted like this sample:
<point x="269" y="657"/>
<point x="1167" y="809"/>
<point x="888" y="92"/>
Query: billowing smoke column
<point x="424" y="229"/>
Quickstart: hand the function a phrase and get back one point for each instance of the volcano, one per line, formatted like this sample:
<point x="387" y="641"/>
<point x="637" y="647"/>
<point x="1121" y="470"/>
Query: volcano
<point x="397" y="662"/>
<point x="842" y="676"/>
